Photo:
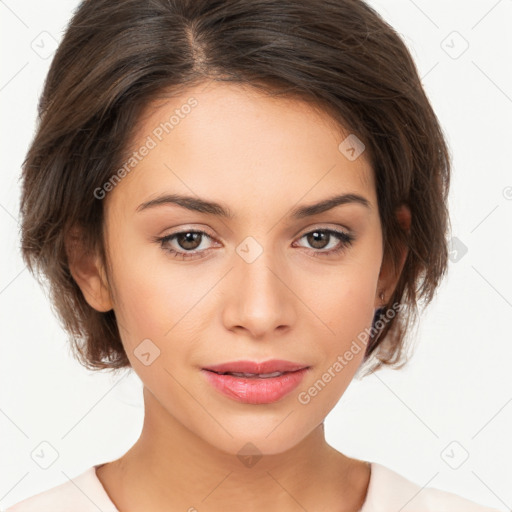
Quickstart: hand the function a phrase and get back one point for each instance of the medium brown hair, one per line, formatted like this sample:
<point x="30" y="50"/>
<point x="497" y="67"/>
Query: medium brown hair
<point x="117" y="56"/>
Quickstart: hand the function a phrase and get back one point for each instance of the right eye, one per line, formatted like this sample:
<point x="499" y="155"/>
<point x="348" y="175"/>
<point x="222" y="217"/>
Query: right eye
<point x="186" y="244"/>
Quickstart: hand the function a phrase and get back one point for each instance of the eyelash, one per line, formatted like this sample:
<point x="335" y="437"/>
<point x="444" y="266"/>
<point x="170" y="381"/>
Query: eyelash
<point x="344" y="238"/>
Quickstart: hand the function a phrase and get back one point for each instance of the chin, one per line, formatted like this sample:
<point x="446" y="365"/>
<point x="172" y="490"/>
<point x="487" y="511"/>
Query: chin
<point x="256" y="441"/>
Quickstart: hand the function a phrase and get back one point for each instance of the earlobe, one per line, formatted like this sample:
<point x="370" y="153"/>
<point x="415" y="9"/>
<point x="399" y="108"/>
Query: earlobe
<point x="388" y="279"/>
<point x="88" y="272"/>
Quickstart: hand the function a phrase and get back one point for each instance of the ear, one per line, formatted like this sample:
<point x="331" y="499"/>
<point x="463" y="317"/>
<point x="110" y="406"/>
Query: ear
<point x="389" y="276"/>
<point x="88" y="272"/>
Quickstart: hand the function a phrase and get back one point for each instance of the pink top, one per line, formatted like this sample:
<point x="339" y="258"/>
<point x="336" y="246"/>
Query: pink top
<point x="387" y="492"/>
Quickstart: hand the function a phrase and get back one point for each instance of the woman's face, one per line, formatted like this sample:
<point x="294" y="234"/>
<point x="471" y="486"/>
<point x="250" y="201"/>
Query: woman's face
<point x="261" y="283"/>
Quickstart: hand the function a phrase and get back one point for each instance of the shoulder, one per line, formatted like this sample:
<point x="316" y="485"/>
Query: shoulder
<point x="389" y="491"/>
<point x="83" y="493"/>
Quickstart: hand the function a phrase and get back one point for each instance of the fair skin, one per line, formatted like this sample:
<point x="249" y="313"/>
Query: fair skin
<point x="261" y="158"/>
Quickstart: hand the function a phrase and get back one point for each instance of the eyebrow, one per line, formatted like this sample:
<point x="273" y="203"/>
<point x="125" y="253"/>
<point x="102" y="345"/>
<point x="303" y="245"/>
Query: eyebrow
<point x="197" y="204"/>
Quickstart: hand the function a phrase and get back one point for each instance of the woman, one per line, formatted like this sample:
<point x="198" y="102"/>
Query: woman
<point x="244" y="201"/>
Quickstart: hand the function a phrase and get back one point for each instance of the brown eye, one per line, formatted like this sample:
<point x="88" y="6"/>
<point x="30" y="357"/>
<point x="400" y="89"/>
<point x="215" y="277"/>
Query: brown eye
<point x="189" y="240"/>
<point x="320" y="239"/>
<point x="185" y="244"/>
<point x="317" y="239"/>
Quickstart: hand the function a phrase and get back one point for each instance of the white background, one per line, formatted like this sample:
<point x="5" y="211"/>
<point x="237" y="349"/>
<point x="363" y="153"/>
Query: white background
<point x="456" y="391"/>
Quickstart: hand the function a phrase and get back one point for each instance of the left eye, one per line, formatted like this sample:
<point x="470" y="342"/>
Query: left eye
<point x="318" y="238"/>
<point x="189" y="242"/>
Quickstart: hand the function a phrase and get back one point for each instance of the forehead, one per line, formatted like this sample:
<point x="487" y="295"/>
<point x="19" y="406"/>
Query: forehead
<point x="236" y="144"/>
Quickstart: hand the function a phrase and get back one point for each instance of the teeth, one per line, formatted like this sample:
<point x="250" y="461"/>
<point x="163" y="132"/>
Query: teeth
<point x="260" y="375"/>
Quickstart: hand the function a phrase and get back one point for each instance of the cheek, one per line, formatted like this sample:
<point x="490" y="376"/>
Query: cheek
<point x="345" y="297"/>
<point x="347" y="307"/>
<point x="351" y="300"/>
<point x="348" y="314"/>
<point x="158" y="298"/>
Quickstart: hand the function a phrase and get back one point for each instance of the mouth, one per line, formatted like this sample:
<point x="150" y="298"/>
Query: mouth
<point x="246" y="375"/>
<point x="254" y="369"/>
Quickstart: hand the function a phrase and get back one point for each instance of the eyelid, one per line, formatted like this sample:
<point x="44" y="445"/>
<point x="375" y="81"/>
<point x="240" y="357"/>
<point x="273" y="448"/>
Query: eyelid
<point x="186" y="228"/>
<point x="325" y="227"/>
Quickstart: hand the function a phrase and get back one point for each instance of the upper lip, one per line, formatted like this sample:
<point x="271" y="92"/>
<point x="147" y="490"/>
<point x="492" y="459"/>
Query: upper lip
<point x="270" y="366"/>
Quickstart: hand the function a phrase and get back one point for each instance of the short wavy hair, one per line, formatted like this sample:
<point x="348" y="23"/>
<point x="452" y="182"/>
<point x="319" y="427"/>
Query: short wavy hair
<point x="116" y="57"/>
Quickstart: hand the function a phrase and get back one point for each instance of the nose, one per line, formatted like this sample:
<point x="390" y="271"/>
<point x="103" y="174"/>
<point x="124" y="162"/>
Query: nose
<point x="259" y="299"/>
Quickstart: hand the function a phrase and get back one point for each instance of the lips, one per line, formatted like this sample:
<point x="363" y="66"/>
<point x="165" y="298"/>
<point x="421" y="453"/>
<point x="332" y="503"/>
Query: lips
<point x="256" y="388"/>
<point x="264" y="369"/>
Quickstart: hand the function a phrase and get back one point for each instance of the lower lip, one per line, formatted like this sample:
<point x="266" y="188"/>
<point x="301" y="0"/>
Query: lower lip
<point x="255" y="390"/>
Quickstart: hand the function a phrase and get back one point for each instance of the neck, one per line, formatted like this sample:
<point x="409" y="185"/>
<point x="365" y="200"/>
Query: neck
<point x="170" y="468"/>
